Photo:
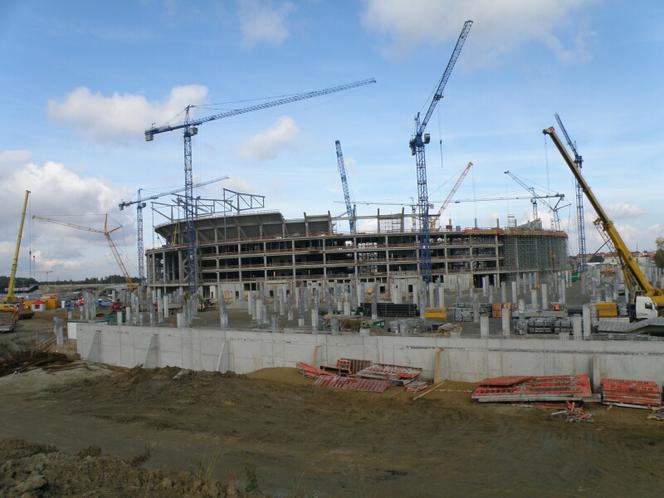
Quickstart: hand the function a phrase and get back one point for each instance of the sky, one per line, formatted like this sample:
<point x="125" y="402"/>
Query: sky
<point x="81" y="81"/>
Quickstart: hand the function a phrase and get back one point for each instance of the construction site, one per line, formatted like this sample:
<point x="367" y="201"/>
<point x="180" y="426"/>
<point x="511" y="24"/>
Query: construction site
<point x="387" y="351"/>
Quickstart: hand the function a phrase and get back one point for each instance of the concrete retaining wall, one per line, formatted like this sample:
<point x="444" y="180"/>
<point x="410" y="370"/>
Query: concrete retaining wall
<point x="462" y="358"/>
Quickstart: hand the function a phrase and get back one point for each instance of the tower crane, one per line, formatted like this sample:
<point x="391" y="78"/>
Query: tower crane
<point x="533" y="199"/>
<point x="131" y="285"/>
<point x="9" y="300"/>
<point x="417" y="143"/>
<point x="190" y="128"/>
<point x="580" y="222"/>
<point x="140" y="204"/>
<point x="350" y="210"/>
<point x="453" y="192"/>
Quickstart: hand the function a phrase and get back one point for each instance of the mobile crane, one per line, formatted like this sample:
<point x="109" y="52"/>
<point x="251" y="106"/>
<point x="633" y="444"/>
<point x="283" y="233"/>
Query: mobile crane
<point x="647" y="300"/>
<point x="9" y="301"/>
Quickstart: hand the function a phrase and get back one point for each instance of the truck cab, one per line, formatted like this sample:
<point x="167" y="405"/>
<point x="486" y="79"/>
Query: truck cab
<point x="644" y="308"/>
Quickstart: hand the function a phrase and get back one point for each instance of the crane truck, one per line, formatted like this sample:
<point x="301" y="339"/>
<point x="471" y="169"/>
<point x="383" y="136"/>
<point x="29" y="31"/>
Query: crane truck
<point x="647" y="301"/>
<point x="9" y="302"/>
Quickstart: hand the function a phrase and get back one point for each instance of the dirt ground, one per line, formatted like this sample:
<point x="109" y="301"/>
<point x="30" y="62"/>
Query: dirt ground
<point x="277" y="434"/>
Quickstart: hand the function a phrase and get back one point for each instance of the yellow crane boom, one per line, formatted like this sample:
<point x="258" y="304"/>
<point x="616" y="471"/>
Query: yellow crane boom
<point x="11" y="298"/>
<point x="631" y="269"/>
<point x="107" y="234"/>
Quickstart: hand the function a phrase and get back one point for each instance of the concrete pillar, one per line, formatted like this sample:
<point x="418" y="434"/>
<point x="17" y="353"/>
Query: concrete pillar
<point x="432" y="294"/>
<point x="179" y="320"/>
<point x="563" y="292"/>
<point x="128" y="315"/>
<point x="273" y="323"/>
<point x="476" y="312"/>
<point x="334" y="326"/>
<point x="165" y="306"/>
<point x="577" y="327"/>
<point x="515" y="287"/>
<point x="492" y="298"/>
<point x="545" y="297"/>
<point x="314" y="320"/>
<point x="346" y="307"/>
<point x="485" y="286"/>
<point x="441" y="296"/>
<point x="587" y="322"/>
<point x="533" y="298"/>
<point x="259" y="310"/>
<point x="503" y="292"/>
<point x="521" y="305"/>
<point x="374" y="303"/>
<point x="118" y="318"/>
<point x="59" y="330"/>
<point x="596" y="372"/>
<point x="506" y="321"/>
<point x="484" y="326"/>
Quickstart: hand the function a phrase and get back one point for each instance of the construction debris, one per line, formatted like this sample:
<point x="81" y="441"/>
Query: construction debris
<point x="631" y="393"/>
<point x="363" y="375"/>
<point x="23" y="361"/>
<point x="532" y="389"/>
<point x="574" y="413"/>
<point x="657" y="415"/>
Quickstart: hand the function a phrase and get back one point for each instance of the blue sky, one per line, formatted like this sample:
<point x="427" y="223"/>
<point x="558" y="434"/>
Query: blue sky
<point x="82" y="80"/>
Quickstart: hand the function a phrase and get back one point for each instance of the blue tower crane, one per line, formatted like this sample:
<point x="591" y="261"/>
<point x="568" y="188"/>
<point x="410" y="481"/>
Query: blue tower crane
<point x="190" y="128"/>
<point x="581" y="226"/>
<point x="417" y="143"/>
<point x="350" y="210"/>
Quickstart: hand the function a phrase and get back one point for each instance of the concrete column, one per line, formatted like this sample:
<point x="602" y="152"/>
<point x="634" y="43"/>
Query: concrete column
<point x="533" y="298"/>
<point x="259" y="310"/>
<point x="563" y="291"/>
<point x="180" y="320"/>
<point x="506" y="321"/>
<point x="314" y="320"/>
<point x="577" y="327"/>
<point x="165" y="306"/>
<point x="334" y="326"/>
<point x="491" y="294"/>
<point x="432" y="294"/>
<point x="521" y="305"/>
<point x="374" y="304"/>
<point x="485" y="286"/>
<point x="59" y="330"/>
<point x="587" y="322"/>
<point x="484" y="326"/>
<point x="346" y="307"/>
<point x="515" y="287"/>
<point x="476" y="312"/>
<point x="128" y="315"/>
<point x="503" y="292"/>
<point x="118" y="317"/>
<point x="545" y="297"/>
<point x="441" y="296"/>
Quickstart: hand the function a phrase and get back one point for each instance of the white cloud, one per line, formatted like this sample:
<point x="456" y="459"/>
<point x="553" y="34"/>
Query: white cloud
<point x="264" y="22"/>
<point x="499" y="25"/>
<point x="121" y="115"/>
<point x="14" y="157"/>
<point x="56" y="190"/>
<point x="624" y="210"/>
<point x="269" y="143"/>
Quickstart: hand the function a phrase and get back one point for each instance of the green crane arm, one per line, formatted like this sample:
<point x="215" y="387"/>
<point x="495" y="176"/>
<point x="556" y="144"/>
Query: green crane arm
<point x="631" y="269"/>
<point x="12" y="277"/>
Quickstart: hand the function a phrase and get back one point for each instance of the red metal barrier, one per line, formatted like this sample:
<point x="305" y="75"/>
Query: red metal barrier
<point x="545" y="388"/>
<point x="353" y="384"/>
<point x="640" y="393"/>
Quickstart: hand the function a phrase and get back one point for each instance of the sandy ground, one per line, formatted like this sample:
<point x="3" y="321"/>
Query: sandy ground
<point x="297" y="439"/>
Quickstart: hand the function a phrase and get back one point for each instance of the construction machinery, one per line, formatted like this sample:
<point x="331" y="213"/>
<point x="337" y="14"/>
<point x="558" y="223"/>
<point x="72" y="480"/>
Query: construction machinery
<point x="417" y="143"/>
<point x="9" y="303"/>
<point x="555" y="208"/>
<point x="452" y="193"/>
<point x="647" y="301"/>
<point x="140" y="204"/>
<point x="131" y="285"/>
<point x="341" y="165"/>
<point x="190" y="128"/>
<point x="580" y="218"/>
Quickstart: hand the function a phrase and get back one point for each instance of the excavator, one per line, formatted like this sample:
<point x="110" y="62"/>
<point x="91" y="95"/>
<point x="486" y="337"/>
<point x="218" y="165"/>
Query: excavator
<point x="9" y="302"/>
<point x="647" y="301"/>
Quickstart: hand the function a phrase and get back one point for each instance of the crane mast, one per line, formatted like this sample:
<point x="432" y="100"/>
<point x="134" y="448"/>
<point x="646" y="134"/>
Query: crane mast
<point x="633" y="274"/>
<point x="580" y="220"/>
<point x="417" y="143"/>
<point x="189" y="128"/>
<point x="533" y="199"/>
<point x="344" y="183"/>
